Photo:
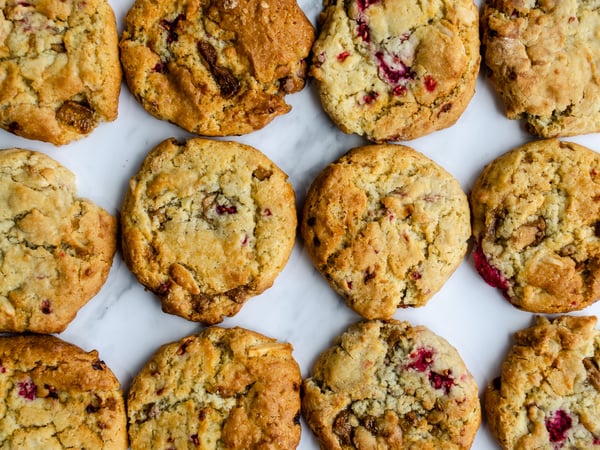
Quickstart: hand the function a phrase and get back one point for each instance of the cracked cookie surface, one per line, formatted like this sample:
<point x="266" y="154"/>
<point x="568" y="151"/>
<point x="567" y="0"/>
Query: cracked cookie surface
<point x="544" y="58"/>
<point x="55" y="395"/>
<point x="216" y="68"/>
<point x="389" y="385"/>
<point x="386" y="226"/>
<point x="395" y="70"/>
<point x="55" y="249"/>
<point x="536" y="216"/>
<point x="60" y="74"/>
<point x="207" y="225"/>
<point x="547" y="395"/>
<point x="223" y="388"/>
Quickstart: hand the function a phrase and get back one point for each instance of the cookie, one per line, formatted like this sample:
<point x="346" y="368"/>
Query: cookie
<point x="55" y="395"/>
<point x="536" y="216"/>
<point x="543" y="58"/>
<point x="56" y="249"/>
<point x="223" y="388"/>
<point x="206" y="225"/>
<point x="216" y="68"/>
<point x="60" y="74"/>
<point x="387" y="384"/>
<point x="395" y="70"/>
<point x="386" y="226"/>
<point x="547" y="395"/>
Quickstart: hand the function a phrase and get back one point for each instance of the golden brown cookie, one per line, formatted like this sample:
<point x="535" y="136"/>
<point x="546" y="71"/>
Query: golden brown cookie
<point x="216" y="68"/>
<point x="389" y="385"/>
<point x="395" y="70"/>
<point x="60" y="74"/>
<point x="54" y="395"/>
<point x="56" y="249"/>
<point x="543" y="58"/>
<point x="547" y="395"/>
<point x="207" y="225"/>
<point x="536" y="224"/>
<point x="223" y="388"/>
<point x="386" y="226"/>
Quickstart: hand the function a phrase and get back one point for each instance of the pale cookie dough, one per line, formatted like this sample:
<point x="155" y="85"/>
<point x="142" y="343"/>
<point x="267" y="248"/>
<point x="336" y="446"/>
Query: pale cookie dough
<point x="395" y="70"/>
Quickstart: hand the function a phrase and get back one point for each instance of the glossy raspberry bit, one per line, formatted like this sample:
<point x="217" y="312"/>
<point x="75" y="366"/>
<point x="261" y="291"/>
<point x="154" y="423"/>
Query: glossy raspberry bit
<point x="490" y="275"/>
<point x="421" y="359"/>
<point x="222" y="209"/>
<point x="27" y="389"/>
<point x="342" y="56"/>
<point x="392" y="69"/>
<point x="430" y="83"/>
<point x="441" y="380"/>
<point x="370" y="97"/>
<point x="364" y="4"/>
<point x="596" y="441"/>
<point x="400" y="91"/>
<point x="160" y="67"/>
<point x="170" y="26"/>
<point x="558" y="425"/>
<point x="46" y="307"/>
<point x="362" y="29"/>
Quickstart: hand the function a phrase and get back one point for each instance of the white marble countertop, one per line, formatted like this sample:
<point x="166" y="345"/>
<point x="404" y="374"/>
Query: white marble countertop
<point x="125" y="323"/>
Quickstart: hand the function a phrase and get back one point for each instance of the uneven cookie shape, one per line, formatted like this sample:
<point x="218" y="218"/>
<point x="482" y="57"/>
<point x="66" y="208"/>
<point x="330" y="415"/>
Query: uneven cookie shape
<point x="386" y="226"/>
<point x="547" y="393"/>
<point x="544" y="58"/>
<point x="536" y="216"/>
<point x="396" y="69"/>
<point x="56" y="249"/>
<point x="60" y="74"/>
<point x="216" y="68"/>
<point x="54" y="395"/>
<point x="386" y="384"/>
<point x="223" y="388"/>
<point x="206" y="225"/>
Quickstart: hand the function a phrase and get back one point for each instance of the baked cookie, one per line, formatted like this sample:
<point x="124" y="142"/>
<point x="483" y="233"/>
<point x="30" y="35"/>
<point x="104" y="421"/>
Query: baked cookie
<point x="214" y="67"/>
<point x="55" y="249"/>
<point x="60" y="74"/>
<point x="394" y="70"/>
<point x="386" y="226"/>
<point x="387" y="384"/>
<point x="547" y="395"/>
<point x="206" y="225"/>
<point x="223" y="388"/>
<point x="543" y="59"/>
<point x="536" y="224"/>
<point x="54" y="395"/>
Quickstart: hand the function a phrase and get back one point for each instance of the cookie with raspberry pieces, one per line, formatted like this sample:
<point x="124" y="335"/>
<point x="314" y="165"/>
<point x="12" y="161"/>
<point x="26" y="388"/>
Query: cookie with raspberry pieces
<point x="395" y="70"/>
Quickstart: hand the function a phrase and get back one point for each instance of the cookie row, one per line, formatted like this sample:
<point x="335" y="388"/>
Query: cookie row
<point x="382" y="384"/>
<point x="388" y="70"/>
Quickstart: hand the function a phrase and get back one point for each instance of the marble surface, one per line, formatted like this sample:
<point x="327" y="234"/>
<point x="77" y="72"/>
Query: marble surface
<point x="125" y="323"/>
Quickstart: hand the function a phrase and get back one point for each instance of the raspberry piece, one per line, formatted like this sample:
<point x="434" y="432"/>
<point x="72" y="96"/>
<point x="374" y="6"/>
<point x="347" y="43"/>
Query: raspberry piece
<point x="430" y="83"/>
<point x="421" y="359"/>
<point x="342" y="56"/>
<point x="170" y="26"/>
<point x="490" y="275"/>
<point x="364" y="4"/>
<point x="558" y="425"/>
<point x="441" y="380"/>
<point x="46" y="307"/>
<point x="27" y="389"/>
<point x="222" y="209"/>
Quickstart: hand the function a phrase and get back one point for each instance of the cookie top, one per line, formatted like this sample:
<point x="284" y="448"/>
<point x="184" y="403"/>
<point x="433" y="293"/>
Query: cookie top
<point x="387" y="384"/>
<point x="216" y="68"/>
<point x="395" y="70"/>
<point x="536" y="212"/>
<point x="223" y="388"/>
<point x="543" y="57"/>
<point x="54" y="395"/>
<point x="547" y="395"/>
<point x="60" y="74"/>
<point x="206" y="225"/>
<point x="56" y="249"/>
<point x="386" y="226"/>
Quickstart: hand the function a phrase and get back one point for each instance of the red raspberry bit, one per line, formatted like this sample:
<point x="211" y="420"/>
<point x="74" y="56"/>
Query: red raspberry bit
<point x="349" y="284"/>
<point x="415" y="275"/>
<point x="421" y="359"/>
<point x="400" y="91"/>
<point x="430" y="83"/>
<point x="596" y="440"/>
<point x="441" y="380"/>
<point x="245" y="241"/>
<point x="160" y="67"/>
<point x="364" y="4"/>
<point x="593" y="172"/>
<point x="222" y="209"/>
<point x="342" y="56"/>
<point x="558" y="425"/>
<point x="27" y="389"/>
<point x="369" y="276"/>
<point x="362" y="30"/>
<point x="46" y="307"/>
<point x="170" y="26"/>
<point x="490" y="275"/>
<point x="267" y="212"/>
<point x="194" y="439"/>
<point x="370" y="97"/>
